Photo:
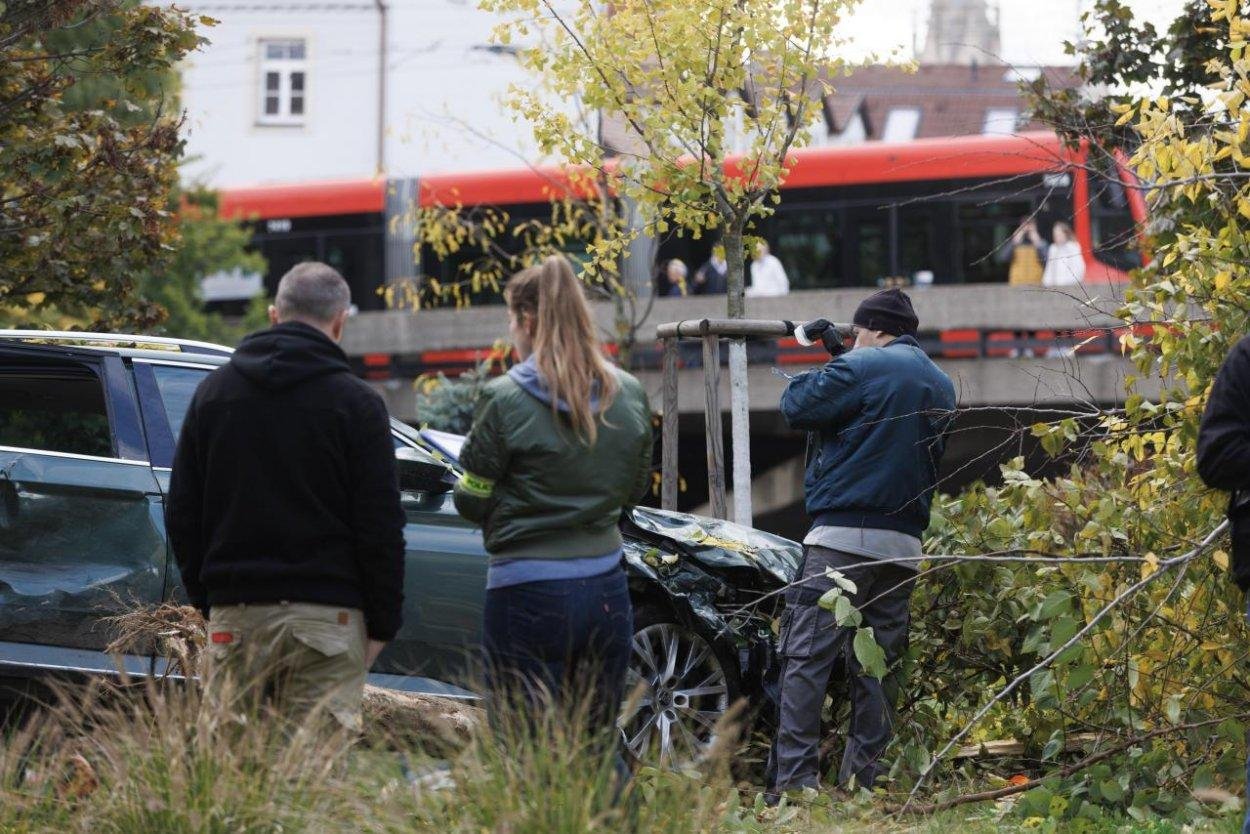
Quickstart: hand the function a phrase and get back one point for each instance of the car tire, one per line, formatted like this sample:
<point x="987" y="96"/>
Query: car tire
<point x="678" y="686"/>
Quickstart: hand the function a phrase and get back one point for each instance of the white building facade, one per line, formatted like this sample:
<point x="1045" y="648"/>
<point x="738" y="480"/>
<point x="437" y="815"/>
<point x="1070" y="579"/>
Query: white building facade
<point x="299" y="90"/>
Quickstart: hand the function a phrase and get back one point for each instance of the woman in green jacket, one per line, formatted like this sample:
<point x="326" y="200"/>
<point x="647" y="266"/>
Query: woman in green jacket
<point x="559" y="446"/>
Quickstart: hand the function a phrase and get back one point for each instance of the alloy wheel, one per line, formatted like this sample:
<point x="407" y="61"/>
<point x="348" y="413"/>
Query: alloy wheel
<point x="684" y="693"/>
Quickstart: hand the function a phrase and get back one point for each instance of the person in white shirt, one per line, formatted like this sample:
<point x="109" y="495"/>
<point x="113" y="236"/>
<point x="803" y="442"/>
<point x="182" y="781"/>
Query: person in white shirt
<point x="768" y="276"/>
<point x="1065" y="263"/>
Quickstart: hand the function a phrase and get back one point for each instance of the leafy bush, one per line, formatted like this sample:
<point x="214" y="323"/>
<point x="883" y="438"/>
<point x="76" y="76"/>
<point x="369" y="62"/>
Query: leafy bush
<point x="1098" y="625"/>
<point x="446" y="404"/>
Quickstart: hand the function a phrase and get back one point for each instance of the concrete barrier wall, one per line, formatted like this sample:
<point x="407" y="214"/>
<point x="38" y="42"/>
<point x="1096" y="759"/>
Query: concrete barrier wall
<point x="940" y="308"/>
<point x="1015" y="382"/>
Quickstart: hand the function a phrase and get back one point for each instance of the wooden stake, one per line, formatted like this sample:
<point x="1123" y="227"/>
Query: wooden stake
<point x="712" y="426"/>
<point x="668" y="432"/>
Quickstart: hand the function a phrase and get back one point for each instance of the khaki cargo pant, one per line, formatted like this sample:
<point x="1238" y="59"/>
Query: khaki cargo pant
<point x="298" y="658"/>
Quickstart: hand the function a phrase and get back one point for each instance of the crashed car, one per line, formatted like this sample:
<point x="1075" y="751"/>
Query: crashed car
<point x="88" y="424"/>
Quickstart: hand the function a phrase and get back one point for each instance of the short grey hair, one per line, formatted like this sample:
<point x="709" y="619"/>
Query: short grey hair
<point x="312" y="290"/>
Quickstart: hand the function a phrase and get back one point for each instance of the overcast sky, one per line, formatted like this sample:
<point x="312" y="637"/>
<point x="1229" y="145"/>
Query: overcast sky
<point x="1033" y="31"/>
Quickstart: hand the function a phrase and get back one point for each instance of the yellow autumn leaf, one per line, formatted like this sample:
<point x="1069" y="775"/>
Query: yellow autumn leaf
<point x="1221" y="559"/>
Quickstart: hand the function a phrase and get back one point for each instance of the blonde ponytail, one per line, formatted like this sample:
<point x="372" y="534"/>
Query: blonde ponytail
<point x="567" y="350"/>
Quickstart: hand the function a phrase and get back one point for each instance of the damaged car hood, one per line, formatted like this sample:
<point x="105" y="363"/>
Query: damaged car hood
<point x="716" y="544"/>
<point x="708" y="541"/>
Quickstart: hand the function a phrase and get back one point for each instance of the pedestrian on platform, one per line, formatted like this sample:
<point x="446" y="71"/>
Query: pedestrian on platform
<point x="1065" y="262"/>
<point x="284" y="513"/>
<point x="712" y="278"/>
<point x="880" y="411"/>
<point x="671" y="282"/>
<point x="768" y="276"/>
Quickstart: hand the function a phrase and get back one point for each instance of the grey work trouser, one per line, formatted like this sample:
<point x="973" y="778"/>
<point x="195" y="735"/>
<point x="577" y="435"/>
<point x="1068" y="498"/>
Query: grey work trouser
<point x="811" y="643"/>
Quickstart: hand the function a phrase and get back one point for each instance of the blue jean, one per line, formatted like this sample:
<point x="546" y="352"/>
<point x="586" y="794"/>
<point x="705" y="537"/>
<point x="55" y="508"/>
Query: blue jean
<point x="566" y="638"/>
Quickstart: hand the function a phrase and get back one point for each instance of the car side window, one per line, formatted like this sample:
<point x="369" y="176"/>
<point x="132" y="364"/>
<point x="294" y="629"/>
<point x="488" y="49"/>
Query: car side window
<point x="54" y="407"/>
<point x="177" y="387"/>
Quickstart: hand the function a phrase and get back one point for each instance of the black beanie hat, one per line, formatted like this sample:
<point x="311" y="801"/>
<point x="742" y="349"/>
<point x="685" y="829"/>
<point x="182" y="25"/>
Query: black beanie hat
<point x="889" y="311"/>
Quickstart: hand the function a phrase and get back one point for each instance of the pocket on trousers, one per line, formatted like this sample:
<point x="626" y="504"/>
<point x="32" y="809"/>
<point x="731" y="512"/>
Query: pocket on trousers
<point x="329" y="639"/>
<point x="224" y="641"/>
<point x="799" y="625"/>
<point x="618" y="616"/>
<point x="538" y="623"/>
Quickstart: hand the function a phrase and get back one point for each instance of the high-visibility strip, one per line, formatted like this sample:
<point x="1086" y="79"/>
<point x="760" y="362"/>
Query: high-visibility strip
<point x="476" y="486"/>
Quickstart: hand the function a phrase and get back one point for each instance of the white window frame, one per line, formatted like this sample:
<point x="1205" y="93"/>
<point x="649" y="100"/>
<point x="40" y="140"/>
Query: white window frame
<point x="901" y="124"/>
<point x="282" y="69"/>
<point x="1001" y="121"/>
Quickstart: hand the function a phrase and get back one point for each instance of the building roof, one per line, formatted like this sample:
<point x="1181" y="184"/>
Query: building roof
<point x="953" y="100"/>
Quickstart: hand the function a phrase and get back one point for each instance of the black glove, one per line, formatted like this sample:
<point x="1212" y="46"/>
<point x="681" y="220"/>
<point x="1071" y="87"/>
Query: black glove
<point x="824" y="331"/>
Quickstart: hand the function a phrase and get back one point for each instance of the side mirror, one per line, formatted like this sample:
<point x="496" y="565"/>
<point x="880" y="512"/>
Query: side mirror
<point x="418" y="472"/>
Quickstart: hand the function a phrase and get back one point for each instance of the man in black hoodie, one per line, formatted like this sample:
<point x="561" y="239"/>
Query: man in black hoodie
<point x="284" y="512"/>
<point x="1224" y="463"/>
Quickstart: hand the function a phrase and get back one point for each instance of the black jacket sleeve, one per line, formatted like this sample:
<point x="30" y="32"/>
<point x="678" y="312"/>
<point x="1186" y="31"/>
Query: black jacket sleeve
<point x="184" y="511"/>
<point x="377" y="518"/>
<point x="1224" y="436"/>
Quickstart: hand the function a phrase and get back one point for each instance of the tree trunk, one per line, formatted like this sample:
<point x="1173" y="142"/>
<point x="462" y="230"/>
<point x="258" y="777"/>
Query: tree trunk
<point x="739" y="401"/>
<point x="740" y="424"/>
<point x="735" y="260"/>
<point x="624" y="328"/>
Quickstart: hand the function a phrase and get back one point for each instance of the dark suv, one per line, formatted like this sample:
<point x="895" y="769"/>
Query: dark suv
<point x="88" y="424"/>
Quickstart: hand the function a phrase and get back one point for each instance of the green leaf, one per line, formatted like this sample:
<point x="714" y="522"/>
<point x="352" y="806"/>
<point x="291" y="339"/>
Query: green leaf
<point x="871" y="656"/>
<point x="1111" y="790"/>
<point x="1172" y="709"/>
<point x="1053" y="746"/>
<point x="829" y="598"/>
<point x="1000" y="527"/>
<point x="1055" y="602"/>
<point x="1036" y="802"/>
<point x="841" y="580"/>
<point x="1078" y="676"/>
<point x="845" y="613"/>
<point x="1042" y="683"/>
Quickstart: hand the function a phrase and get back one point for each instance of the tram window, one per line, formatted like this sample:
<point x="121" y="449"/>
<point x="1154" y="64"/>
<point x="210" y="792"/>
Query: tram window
<point x="1111" y="224"/>
<point x="358" y="258"/>
<point x="503" y="256"/>
<point x="918" y="235"/>
<point x="282" y="252"/>
<point x="807" y="242"/>
<point x="868" y="240"/>
<point x="984" y="228"/>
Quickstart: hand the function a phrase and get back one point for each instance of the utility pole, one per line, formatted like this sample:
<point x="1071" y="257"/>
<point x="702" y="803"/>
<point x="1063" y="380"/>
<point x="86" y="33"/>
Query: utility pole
<point x="382" y="67"/>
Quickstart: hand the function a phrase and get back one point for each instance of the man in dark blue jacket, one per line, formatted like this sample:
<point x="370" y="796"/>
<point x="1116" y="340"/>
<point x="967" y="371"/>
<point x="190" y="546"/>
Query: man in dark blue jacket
<point x="1224" y="463"/>
<point x="880" y="411"/>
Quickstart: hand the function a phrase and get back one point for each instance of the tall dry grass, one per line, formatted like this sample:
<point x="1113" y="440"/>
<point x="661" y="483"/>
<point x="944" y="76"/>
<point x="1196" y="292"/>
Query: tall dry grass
<point x="146" y="758"/>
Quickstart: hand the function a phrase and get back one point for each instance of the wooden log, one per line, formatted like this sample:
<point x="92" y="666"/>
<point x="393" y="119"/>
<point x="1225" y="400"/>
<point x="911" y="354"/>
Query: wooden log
<point x="668" y="432"/>
<point x="712" y="426"/>
<point x="757" y="328"/>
